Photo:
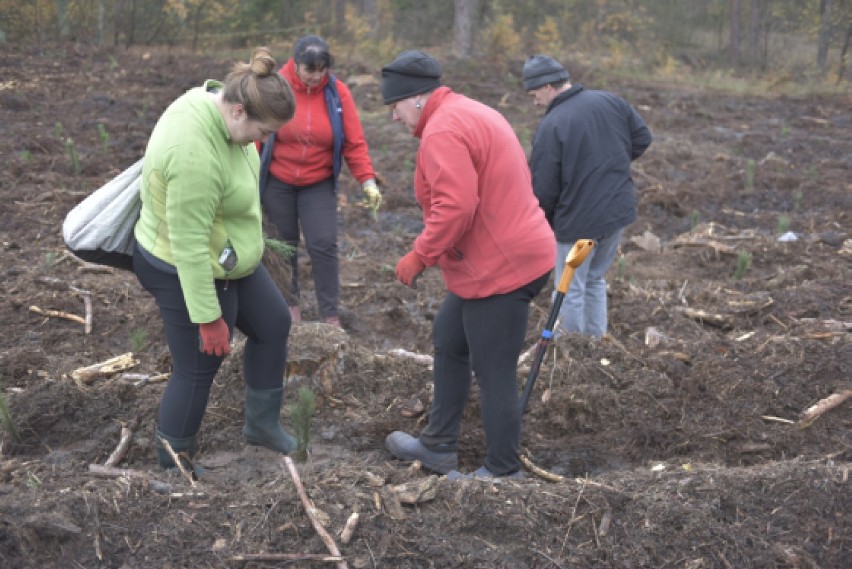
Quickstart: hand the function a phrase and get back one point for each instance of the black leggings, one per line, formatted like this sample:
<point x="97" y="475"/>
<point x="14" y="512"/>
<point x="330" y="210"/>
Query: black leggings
<point x="490" y="331"/>
<point x="253" y="304"/>
<point x="313" y="207"/>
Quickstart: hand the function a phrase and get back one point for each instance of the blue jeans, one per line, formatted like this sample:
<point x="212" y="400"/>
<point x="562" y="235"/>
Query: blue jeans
<point x="584" y="307"/>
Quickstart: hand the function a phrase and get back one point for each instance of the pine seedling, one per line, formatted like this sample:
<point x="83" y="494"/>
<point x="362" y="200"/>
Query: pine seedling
<point x="798" y="198"/>
<point x="619" y="268"/>
<point x="138" y="339"/>
<point x="6" y="420"/>
<point x="750" y="168"/>
<point x="103" y="135"/>
<point x="694" y="219"/>
<point x="743" y="264"/>
<point x="72" y="154"/>
<point x="301" y="413"/>
<point x="57" y="130"/>
<point x="782" y="226"/>
<point x="280" y="247"/>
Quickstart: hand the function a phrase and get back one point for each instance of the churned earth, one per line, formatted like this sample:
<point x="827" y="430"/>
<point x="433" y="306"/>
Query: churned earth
<point x="678" y="441"/>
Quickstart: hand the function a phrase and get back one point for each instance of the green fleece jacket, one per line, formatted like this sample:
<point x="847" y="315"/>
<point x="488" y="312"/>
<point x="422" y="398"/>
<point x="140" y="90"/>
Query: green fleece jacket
<point x="199" y="195"/>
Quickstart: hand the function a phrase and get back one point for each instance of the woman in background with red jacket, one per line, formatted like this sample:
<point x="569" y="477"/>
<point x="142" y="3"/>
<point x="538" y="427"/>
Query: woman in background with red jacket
<point x="300" y="165"/>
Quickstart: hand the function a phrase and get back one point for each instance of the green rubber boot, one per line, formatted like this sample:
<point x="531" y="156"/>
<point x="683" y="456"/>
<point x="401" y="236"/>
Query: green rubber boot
<point x="263" y="424"/>
<point x="185" y="448"/>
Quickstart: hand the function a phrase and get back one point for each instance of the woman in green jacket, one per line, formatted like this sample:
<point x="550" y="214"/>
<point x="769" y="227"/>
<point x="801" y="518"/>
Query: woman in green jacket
<point x="199" y="248"/>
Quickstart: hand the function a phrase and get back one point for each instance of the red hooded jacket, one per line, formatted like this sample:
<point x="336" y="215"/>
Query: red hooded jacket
<point x="303" y="147"/>
<point x="483" y="225"/>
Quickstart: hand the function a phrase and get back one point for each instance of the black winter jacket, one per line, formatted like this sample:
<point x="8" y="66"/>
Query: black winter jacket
<point x="580" y="163"/>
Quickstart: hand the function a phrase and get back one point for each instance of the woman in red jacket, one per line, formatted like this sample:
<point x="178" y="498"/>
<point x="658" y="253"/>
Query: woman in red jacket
<point x="301" y="163"/>
<point x="484" y="229"/>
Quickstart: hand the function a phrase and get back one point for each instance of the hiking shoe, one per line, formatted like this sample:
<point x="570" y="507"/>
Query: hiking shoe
<point x="295" y="315"/>
<point x="408" y="448"/>
<point x="334" y="321"/>
<point x="483" y="473"/>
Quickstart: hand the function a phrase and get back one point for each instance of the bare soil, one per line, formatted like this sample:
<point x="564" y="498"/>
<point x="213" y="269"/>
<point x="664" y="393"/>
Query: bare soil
<point x="678" y="437"/>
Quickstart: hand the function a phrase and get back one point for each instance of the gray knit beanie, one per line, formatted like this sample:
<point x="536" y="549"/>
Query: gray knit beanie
<point x="411" y="73"/>
<point x="541" y="70"/>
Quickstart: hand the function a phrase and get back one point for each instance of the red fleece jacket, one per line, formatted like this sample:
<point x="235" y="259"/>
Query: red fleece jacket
<point x="303" y="151"/>
<point x="483" y="225"/>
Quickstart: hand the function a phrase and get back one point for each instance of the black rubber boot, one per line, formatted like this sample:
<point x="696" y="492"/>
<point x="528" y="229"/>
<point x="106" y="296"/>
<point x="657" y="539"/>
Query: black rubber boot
<point x="185" y="448"/>
<point x="263" y="424"/>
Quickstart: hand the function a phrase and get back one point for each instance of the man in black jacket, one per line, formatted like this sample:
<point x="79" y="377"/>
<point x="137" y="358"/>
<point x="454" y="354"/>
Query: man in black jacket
<point x="580" y="164"/>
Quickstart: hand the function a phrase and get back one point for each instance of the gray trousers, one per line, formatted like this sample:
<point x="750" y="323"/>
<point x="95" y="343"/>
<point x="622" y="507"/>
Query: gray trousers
<point x="490" y="332"/>
<point x="313" y="209"/>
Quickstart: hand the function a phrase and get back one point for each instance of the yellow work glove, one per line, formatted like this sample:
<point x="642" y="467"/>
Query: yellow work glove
<point x="374" y="196"/>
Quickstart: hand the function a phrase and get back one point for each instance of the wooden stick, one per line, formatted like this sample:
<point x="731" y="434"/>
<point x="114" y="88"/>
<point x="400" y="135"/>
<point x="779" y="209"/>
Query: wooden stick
<point x="349" y="528"/>
<point x="419" y="358"/>
<point x="113" y="365"/>
<point x="112" y="472"/>
<point x="87" y="306"/>
<point x="306" y="503"/>
<point x="123" y="443"/>
<point x="822" y="406"/>
<point x="538" y="471"/>
<point x="286" y="557"/>
<point x="178" y="462"/>
<point x="58" y="314"/>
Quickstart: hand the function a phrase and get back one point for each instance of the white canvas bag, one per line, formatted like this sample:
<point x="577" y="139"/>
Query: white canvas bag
<point x="100" y="228"/>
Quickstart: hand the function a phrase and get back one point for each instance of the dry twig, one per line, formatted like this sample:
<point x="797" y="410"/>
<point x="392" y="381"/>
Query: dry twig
<point x="123" y="443"/>
<point x="58" y="314"/>
<point x="87" y="306"/>
<point x="176" y="458"/>
<point x="540" y="472"/>
<point x="822" y="406"/>
<point x="349" y="528"/>
<point x="286" y="557"/>
<point x="327" y="539"/>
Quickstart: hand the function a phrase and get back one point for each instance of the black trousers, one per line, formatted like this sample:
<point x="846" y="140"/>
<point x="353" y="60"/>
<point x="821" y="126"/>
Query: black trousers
<point x="490" y="331"/>
<point x="314" y="208"/>
<point x="253" y="304"/>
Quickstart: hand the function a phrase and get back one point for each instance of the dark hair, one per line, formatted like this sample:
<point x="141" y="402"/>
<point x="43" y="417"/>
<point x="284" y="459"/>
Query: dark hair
<point x="264" y="93"/>
<point x="312" y="52"/>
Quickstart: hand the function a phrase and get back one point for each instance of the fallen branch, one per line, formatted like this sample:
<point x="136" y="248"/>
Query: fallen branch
<point x="538" y="471"/>
<point x="112" y="472"/>
<point x="419" y="358"/>
<point x="177" y="460"/>
<point x="140" y="379"/>
<point x="286" y="557"/>
<point x="823" y="406"/>
<point x="90" y="373"/>
<point x="705" y="317"/>
<point x="327" y="539"/>
<point x="58" y="314"/>
<point x="87" y="306"/>
<point x="123" y="443"/>
<point x="719" y="248"/>
<point x="349" y="528"/>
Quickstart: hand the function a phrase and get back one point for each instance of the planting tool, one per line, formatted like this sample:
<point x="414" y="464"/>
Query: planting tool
<point x="574" y="259"/>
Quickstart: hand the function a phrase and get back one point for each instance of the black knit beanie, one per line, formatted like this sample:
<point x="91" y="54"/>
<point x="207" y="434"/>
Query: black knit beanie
<point x="411" y="73"/>
<point x="541" y="70"/>
<point x="312" y="51"/>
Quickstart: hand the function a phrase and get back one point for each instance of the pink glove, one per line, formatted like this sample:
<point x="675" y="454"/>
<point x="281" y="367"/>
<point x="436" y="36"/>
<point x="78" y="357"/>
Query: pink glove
<point x="409" y="268"/>
<point x="215" y="338"/>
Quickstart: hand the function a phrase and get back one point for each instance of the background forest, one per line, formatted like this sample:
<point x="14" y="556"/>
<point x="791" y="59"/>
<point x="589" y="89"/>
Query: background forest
<point x="787" y="39"/>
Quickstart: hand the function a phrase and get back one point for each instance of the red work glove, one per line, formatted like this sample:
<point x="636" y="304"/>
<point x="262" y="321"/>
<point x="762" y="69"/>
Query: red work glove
<point x="409" y="268"/>
<point x="215" y="338"/>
